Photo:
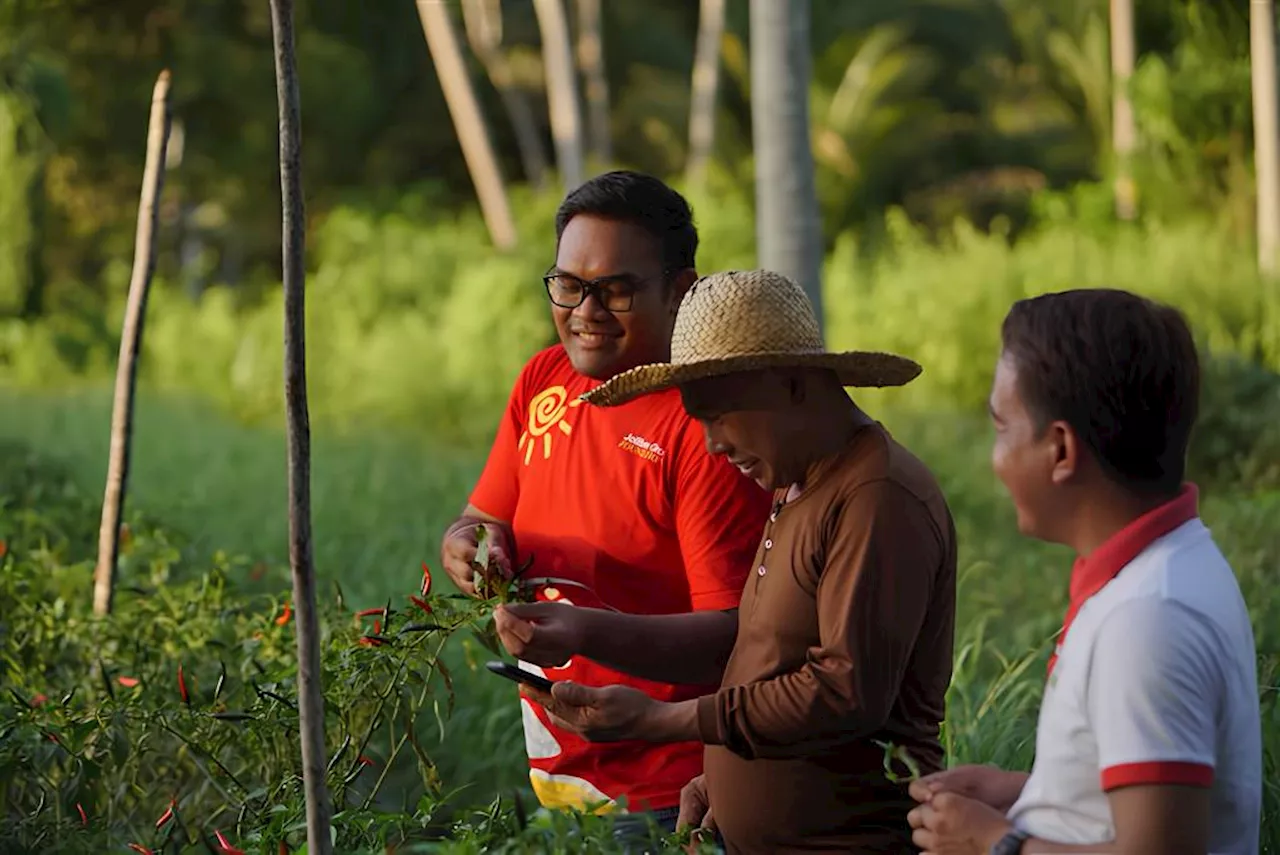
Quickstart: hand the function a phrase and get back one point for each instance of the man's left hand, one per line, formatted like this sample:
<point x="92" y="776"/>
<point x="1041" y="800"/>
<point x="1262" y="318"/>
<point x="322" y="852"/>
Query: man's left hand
<point x="604" y="714"/>
<point x="948" y="824"/>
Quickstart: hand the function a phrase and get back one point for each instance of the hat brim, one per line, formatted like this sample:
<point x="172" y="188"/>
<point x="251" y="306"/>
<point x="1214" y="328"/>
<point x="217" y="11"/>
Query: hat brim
<point x="862" y="369"/>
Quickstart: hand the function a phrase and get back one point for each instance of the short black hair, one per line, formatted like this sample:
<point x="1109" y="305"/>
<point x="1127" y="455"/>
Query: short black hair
<point x="1121" y="369"/>
<point x="641" y="199"/>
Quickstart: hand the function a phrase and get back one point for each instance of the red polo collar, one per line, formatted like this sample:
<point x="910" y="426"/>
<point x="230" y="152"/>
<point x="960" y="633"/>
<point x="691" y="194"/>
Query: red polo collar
<point x="1090" y="574"/>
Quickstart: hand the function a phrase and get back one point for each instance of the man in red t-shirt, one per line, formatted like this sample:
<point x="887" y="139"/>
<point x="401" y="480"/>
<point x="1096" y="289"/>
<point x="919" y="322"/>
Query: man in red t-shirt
<point x="621" y="509"/>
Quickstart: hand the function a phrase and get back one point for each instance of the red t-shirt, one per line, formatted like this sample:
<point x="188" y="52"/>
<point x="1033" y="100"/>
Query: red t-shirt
<point x="621" y="508"/>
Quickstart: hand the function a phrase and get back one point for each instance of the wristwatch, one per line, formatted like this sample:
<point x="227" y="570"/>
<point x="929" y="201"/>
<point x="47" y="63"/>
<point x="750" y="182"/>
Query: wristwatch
<point x="1010" y="844"/>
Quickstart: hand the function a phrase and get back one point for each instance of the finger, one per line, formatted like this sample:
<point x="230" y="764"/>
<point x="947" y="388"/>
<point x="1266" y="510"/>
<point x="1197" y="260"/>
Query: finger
<point x="926" y="841"/>
<point x="507" y="623"/>
<point x="565" y="724"/>
<point x="538" y="696"/>
<point x="573" y="694"/>
<point x="460" y="574"/>
<point x="709" y="820"/>
<point x="532" y="612"/>
<point x="921" y="790"/>
<point x="693" y="807"/>
<point x="462" y="545"/>
<point x="498" y="556"/>
<point x="462" y="583"/>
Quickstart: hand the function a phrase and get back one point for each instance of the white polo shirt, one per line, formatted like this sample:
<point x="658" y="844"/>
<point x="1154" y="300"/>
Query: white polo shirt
<point x="1155" y="682"/>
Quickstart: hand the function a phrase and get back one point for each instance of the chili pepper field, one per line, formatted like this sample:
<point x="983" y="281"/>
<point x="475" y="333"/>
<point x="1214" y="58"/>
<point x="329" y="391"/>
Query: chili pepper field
<point x="172" y="725"/>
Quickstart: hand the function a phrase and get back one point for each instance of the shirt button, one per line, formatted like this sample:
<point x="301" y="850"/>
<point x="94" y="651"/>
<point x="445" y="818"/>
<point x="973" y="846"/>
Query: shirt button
<point x="768" y="543"/>
<point x="760" y="569"/>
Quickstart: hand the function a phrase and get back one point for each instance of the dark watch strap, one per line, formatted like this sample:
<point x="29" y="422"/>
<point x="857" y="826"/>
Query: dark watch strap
<point x="1010" y="844"/>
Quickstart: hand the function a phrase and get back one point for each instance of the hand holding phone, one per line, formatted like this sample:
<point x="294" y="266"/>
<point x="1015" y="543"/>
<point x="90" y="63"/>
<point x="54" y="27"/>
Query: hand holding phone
<point x="519" y="675"/>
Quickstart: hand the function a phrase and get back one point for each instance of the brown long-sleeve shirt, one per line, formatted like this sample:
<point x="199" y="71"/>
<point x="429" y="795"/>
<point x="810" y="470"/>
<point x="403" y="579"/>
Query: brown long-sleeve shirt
<point x="845" y="636"/>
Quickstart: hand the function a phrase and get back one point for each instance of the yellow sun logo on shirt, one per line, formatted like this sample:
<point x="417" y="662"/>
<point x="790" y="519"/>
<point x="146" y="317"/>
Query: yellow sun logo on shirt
<point x="546" y="411"/>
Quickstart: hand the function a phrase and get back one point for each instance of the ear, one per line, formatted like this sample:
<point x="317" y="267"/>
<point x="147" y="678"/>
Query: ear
<point x="1065" y="450"/>
<point x="681" y="282"/>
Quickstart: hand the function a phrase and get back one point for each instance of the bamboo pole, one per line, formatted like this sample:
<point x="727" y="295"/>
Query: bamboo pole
<point x="1266" y="129"/>
<point x="293" y="224"/>
<point x="144" y="262"/>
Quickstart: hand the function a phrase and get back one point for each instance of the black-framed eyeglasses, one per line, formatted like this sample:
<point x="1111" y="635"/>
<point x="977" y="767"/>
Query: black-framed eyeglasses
<point x="615" y="293"/>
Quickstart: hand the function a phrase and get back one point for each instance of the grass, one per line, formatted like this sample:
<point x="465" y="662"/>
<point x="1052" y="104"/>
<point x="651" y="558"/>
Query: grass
<point x="380" y="504"/>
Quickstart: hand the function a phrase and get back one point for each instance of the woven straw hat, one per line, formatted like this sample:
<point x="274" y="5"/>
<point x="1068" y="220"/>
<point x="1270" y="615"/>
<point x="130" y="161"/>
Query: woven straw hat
<point x="745" y="320"/>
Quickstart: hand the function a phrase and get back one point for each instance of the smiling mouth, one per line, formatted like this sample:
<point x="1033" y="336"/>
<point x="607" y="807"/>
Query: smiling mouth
<point x="594" y="339"/>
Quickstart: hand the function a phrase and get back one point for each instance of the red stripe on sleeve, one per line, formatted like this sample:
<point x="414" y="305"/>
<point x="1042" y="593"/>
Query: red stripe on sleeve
<point x="1160" y="772"/>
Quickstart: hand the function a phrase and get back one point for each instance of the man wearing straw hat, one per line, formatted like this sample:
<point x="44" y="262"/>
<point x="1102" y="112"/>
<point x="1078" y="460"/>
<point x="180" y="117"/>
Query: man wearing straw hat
<point x="845" y="630"/>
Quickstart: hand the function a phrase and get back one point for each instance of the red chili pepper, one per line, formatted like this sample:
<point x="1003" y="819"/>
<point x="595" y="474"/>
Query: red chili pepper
<point x="227" y="848"/>
<point x="141" y="850"/>
<point x="53" y="738"/>
<point x="420" y="603"/>
<point x="365" y="761"/>
<point x="369" y="612"/>
<point x="182" y="688"/>
<point x="127" y="682"/>
<point x="284" y="617"/>
<point x="38" y="700"/>
<point x="165" y="817"/>
<point x="84" y="817"/>
<point x="371" y="642"/>
<point x="426" y="579"/>
<point x="4" y="549"/>
<point x="284" y="850"/>
<point x="377" y="627"/>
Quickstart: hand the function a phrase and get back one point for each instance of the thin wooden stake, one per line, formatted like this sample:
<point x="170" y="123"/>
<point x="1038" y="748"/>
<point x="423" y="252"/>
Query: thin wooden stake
<point x="144" y="263"/>
<point x="310" y="696"/>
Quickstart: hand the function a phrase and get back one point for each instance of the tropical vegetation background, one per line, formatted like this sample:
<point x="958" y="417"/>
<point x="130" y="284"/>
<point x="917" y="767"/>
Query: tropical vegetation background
<point x="963" y="153"/>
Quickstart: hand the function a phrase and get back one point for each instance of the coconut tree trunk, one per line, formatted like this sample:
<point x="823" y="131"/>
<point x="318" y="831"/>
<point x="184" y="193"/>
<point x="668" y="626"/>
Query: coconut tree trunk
<point x="482" y="20"/>
<point x="144" y="263"/>
<point x="293" y="239"/>
<point x="1266" y="130"/>
<point x="706" y="84"/>
<point x="591" y="61"/>
<point x="562" y="91"/>
<point x="788" y="228"/>
<point x="473" y="136"/>
<point x="1124" y="131"/>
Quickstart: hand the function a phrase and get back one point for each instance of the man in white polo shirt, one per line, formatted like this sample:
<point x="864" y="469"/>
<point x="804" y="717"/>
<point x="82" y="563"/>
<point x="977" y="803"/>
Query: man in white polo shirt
<point x="1149" y="738"/>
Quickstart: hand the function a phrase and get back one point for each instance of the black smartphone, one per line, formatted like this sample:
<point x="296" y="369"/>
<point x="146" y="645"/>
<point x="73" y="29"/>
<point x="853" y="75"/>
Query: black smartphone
<point x="511" y="672"/>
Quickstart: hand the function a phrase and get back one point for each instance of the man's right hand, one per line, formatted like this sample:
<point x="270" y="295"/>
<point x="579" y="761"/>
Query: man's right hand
<point x="544" y="634"/>
<point x="695" y="810"/>
<point x="459" y="550"/>
<point x="990" y="785"/>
